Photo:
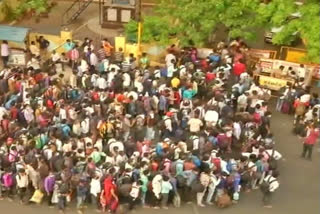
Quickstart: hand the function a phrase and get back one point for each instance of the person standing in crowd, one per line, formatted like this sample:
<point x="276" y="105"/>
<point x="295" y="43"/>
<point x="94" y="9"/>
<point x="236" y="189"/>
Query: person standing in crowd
<point x="22" y="184"/>
<point x="5" y="52"/>
<point x="269" y="186"/>
<point x="118" y="130"/>
<point x="43" y="45"/>
<point x="312" y="134"/>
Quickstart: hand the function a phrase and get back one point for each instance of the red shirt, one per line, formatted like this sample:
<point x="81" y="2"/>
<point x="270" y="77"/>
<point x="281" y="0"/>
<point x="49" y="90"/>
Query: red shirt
<point x="311" y="139"/>
<point x="239" y="68"/>
<point x="210" y="76"/>
<point x="14" y="113"/>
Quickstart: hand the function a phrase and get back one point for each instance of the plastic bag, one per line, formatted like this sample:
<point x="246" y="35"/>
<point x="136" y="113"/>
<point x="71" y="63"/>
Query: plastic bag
<point x="37" y="197"/>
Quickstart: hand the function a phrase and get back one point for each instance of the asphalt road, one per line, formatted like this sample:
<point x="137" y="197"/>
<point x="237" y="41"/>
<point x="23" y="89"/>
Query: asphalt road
<point x="298" y="193"/>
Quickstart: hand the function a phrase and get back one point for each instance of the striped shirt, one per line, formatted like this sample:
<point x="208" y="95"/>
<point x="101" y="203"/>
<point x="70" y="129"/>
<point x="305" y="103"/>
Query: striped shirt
<point x="74" y="54"/>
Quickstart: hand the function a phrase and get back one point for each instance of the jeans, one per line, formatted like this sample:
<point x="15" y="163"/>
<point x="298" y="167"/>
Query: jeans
<point x="5" y="60"/>
<point x="143" y="198"/>
<point x="21" y="192"/>
<point x="49" y="197"/>
<point x="62" y="200"/>
<point x="279" y="104"/>
<point x="94" y="201"/>
<point x="307" y="150"/>
<point x="132" y="202"/>
<point x="164" y="199"/>
<point x="80" y="201"/>
<point x="266" y="199"/>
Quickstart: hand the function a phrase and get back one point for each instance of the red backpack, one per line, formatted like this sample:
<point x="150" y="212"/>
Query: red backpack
<point x="95" y="96"/>
<point x="257" y="118"/>
<point x="217" y="163"/>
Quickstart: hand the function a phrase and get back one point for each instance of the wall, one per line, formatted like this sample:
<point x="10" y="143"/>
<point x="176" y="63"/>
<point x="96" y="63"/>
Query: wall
<point x="56" y="41"/>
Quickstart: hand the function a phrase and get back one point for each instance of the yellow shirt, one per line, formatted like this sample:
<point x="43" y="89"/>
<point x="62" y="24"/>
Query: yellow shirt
<point x="175" y="82"/>
<point x="34" y="50"/>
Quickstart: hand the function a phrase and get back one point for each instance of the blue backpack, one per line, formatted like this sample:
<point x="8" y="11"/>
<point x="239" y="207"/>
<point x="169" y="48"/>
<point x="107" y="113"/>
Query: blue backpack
<point x="163" y="72"/>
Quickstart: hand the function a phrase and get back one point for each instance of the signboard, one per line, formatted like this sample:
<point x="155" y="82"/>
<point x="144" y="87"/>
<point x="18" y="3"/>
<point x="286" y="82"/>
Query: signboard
<point x="267" y="54"/>
<point x="17" y="57"/>
<point x="272" y="83"/>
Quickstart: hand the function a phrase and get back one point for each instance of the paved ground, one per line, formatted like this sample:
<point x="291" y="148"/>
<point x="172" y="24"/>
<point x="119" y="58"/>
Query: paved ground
<point x="298" y="194"/>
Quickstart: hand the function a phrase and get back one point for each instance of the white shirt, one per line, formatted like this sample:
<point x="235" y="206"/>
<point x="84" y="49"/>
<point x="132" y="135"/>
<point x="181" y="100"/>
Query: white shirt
<point x="93" y="59"/>
<point x="55" y="57"/>
<point x="126" y="80"/>
<point x="102" y="83"/>
<point x="305" y="98"/>
<point x="4" y="49"/>
<point x="3" y="112"/>
<point x="95" y="187"/>
<point x="84" y="65"/>
<point x="195" y="143"/>
<point x="62" y="114"/>
<point x="301" y="72"/>
<point x="168" y="123"/>
<point x="273" y="183"/>
<point x="59" y="145"/>
<point x="236" y="130"/>
<point x="211" y="116"/>
<point x="85" y="49"/>
<point x="22" y="181"/>
<point x="276" y="154"/>
<point x="85" y="126"/>
<point x="169" y="58"/>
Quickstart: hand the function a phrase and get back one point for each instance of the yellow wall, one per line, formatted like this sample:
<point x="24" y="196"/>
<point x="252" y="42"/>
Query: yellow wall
<point x="56" y="41"/>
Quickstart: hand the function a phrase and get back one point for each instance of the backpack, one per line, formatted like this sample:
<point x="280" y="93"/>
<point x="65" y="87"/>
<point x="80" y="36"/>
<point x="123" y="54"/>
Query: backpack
<point x="285" y="107"/>
<point x="257" y="118"/>
<point x="132" y="108"/>
<point x="217" y="163"/>
<point x="301" y="108"/>
<point x="7" y="180"/>
<point x="224" y="201"/>
<point x="273" y="164"/>
<point x="95" y="96"/>
<point x="38" y="141"/>
<point x="163" y="72"/>
<point x="196" y="186"/>
<point x="245" y="176"/>
<point x="181" y="181"/>
<point x="264" y="187"/>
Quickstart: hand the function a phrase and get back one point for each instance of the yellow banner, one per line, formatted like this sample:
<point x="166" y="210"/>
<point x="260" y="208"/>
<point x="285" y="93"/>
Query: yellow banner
<point x="272" y="83"/>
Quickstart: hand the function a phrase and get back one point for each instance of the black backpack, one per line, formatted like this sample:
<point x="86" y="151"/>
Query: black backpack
<point x="273" y="164"/>
<point x="264" y="187"/>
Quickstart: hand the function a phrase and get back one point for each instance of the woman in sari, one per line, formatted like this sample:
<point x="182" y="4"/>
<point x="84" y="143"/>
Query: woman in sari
<point x="110" y="198"/>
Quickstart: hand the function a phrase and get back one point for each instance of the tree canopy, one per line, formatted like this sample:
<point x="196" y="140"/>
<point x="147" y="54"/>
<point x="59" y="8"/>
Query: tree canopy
<point x="198" y="19"/>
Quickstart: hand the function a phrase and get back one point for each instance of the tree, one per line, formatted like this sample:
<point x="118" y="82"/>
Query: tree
<point x="305" y="23"/>
<point x="196" y="20"/>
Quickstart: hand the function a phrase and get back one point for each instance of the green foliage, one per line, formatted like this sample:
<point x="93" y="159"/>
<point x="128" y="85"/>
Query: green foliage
<point x="8" y="12"/>
<point x="37" y="6"/>
<point x="154" y="29"/>
<point x="278" y="13"/>
<point x="198" y="19"/>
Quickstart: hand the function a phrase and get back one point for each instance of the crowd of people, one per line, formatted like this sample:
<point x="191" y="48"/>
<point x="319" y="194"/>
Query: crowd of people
<point x="300" y="101"/>
<point x="93" y="126"/>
